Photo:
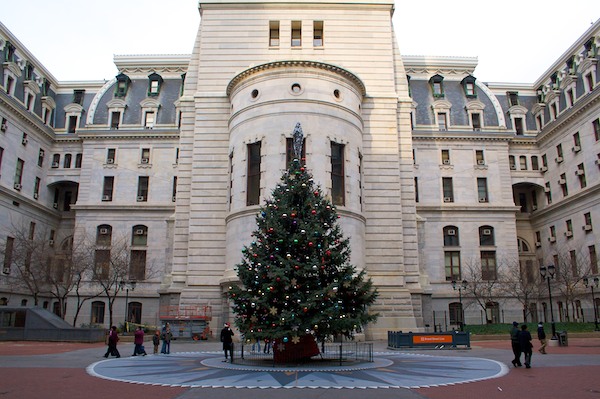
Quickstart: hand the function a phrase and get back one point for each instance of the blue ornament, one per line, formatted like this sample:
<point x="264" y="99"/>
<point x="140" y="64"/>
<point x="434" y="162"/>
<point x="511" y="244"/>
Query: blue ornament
<point x="285" y="339"/>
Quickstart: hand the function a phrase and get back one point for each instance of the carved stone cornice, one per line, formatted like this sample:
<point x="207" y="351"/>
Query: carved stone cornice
<point x="296" y="64"/>
<point x="124" y="134"/>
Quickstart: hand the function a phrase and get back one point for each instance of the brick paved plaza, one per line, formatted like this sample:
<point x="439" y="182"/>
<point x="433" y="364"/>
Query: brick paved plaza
<point x="61" y="370"/>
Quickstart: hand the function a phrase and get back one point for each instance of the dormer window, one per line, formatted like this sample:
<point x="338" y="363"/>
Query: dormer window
<point x="154" y="83"/>
<point x="28" y="71"/>
<point x="9" y="52"/>
<point x="513" y="98"/>
<point x="540" y="95"/>
<point x="468" y="84"/>
<point x="123" y="82"/>
<point x="555" y="83"/>
<point x="571" y="66"/>
<point x="437" y="86"/>
<point x="590" y="48"/>
<point x="78" y="96"/>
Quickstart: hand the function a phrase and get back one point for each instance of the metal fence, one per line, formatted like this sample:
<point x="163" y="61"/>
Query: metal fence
<point x="331" y="353"/>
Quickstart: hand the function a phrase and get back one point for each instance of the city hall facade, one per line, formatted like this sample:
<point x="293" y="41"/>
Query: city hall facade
<point x="437" y="176"/>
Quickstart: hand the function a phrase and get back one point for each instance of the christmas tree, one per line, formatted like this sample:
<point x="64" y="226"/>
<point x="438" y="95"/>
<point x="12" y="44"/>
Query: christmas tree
<point x="296" y="279"/>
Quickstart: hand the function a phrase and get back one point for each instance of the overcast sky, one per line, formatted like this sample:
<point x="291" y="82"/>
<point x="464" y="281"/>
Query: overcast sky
<point x="514" y="40"/>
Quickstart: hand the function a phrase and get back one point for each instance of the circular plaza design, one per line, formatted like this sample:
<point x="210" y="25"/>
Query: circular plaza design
<point x="388" y="370"/>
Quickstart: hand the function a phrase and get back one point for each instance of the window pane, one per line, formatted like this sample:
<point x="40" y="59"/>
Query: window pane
<point x="253" y="183"/>
<point x="337" y="174"/>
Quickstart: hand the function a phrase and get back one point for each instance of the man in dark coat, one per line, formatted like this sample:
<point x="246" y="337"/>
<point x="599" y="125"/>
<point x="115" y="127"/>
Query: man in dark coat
<point x="113" y="338"/>
<point x="514" y="342"/>
<point x="526" y="345"/>
<point x="542" y="337"/>
<point x="227" y="339"/>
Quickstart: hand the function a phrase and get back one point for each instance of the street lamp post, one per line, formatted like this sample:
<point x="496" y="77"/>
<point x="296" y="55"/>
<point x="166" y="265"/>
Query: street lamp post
<point x="594" y="283"/>
<point x="127" y="285"/>
<point x="463" y="285"/>
<point x="548" y="274"/>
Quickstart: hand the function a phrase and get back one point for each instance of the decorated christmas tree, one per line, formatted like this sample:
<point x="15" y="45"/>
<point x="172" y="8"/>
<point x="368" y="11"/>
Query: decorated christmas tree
<point x="297" y="284"/>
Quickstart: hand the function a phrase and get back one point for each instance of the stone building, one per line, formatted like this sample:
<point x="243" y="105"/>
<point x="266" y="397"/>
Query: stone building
<point x="437" y="176"/>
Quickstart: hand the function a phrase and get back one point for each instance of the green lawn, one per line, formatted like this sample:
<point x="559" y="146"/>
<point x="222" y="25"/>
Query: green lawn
<point x="491" y="329"/>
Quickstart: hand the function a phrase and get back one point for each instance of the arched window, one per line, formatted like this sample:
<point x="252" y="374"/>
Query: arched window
<point x="486" y="236"/>
<point x="455" y="312"/>
<point x="134" y="312"/>
<point x="104" y="235"/>
<point x="97" y="314"/>
<point x="492" y="311"/>
<point x="451" y="236"/>
<point x="139" y="235"/>
<point x="522" y="245"/>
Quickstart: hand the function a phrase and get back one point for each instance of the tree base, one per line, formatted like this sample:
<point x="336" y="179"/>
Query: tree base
<point x="289" y="352"/>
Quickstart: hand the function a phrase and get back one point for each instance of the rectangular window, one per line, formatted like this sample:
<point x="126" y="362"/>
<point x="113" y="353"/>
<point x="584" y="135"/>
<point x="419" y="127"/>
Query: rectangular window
<point x="570" y="97"/>
<point x="174" y="191"/>
<point x="596" y="126"/>
<point x="318" y="33"/>
<point x="41" y="155"/>
<point x="111" y="154"/>
<point x="589" y="80"/>
<point x="482" y="190"/>
<point x="137" y="265"/>
<point x="488" y="265"/>
<point x="438" y="90"/>
<point x="534" y="163"/>
<point x="587" y="217"/>
<point x="274" y="33"/>
<point x="569" y="225"/>
<point x="101" y="263"/>
<point x="545" y="161"/>
<point x="36" y="188"/>
<point x="476" y="121"/>
<point x="78" y="160"/>
<point x="107" y="188"/>
<point x="149" y="118"/>
<point x="559" y="153"/>
<point x="296" y="33"/>
<point x="442" y="121"/>
<point x="72" y="125"/>
<point x="580" y="172"/>
<point x="448" y="189"/>
<point x="253" y="181"/>
<point x="142" y="192"/>
<point x="154" y="85"/>
<point x="31" y="230"/>
<point x="67" y="161"/>
<point x="470" y="89"/>
<point x="8" y="254"/>
<point x="573" y="258"/>
<point x="452" y="265"/>
<point x="563" y="184"/>
<point x="548" y="193"/>
<point x="576" y="142"/>
<point x="519" y="126"/>
<point x="19" y="173"/>
<point x="593" y="259"/>
<point x="1" y="155"/>
<point x="445" y="157"/>
<point x="337" y="174"/>
<point x="145" y="158"/>
<point x="523" y="162"/>
<point x="115" y="119"/>
<point x="97" y="314"/>
<point x="416" y="189"/>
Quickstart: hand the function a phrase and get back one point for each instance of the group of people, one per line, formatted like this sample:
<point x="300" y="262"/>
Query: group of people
<point x="521" y="343"/>
<point x="138" y="340"/>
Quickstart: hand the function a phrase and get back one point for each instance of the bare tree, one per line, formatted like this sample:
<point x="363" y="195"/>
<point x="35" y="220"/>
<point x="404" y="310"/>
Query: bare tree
<point x="483" y="285"/>
<point x="519" y="281"/>
<point x="571" y="266"/>
<point x="28" y="257"/>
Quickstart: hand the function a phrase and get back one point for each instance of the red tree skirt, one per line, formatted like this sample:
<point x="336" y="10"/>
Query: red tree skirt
<point x="289" y="352"/>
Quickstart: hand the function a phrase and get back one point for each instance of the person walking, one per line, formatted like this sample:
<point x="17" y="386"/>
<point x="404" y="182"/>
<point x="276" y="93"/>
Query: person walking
<point x="526" y="345"/>
<point x="514" y="342"/>
<point x="542" y="337"/>
<point x="166" y="339"/>
<point x="138" y="340"/>
<point x="227" y="340"/>
<point x="156" y="341"/>
<point x="113" y="338"/>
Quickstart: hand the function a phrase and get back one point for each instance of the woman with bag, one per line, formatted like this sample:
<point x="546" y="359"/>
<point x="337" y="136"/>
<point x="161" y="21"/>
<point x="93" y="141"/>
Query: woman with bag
<point x="138" y="340"/>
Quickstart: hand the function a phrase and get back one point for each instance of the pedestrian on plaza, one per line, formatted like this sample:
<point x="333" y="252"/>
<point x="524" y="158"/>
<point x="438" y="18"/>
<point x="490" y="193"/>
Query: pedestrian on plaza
<point x="514" y="342"/>
<point x="267" y="345"/>
<point x="138" y="340"/>
<point x="166" y="339"/>
<point x="256" y="345"/>
<point x="156" y="341"/>
<point x="542" y="337"/>
<point x="227" y="340"/>
<point x="113" y="338"/>
<point x="526" y="345"/>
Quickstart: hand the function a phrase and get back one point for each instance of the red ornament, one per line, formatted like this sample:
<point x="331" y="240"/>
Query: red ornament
<point x="328" y="253"/>
<point x="270" y="229"/>
<point x="293" y="214"/>
<point x="313" y="212"/>
<point x="302" y="169"/>
<point x="310" y="244"/>
<point x="316" y="193"/>
<point x="305" y="310"/>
